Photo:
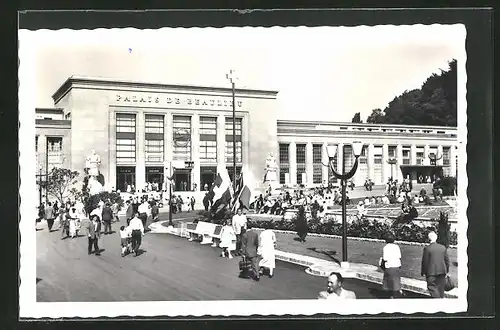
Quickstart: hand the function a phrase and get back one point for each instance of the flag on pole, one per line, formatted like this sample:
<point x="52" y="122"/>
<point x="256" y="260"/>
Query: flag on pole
<point x="221" y="192"/>
<point x="242" y="195"/>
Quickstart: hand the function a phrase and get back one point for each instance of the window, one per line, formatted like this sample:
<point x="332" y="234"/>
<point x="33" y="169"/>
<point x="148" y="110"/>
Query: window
<point x="446" y="156"/>
<point x="301" y="161"/>
<point x="392" y="151"/>
<point x="54" y="153"/>
<point x="229" y="139"/>
<point x="406" y="155"/>
<point x="208" y="139"/>
<point x="284" y="161"/>
<point x="317" y="163"/>
<point x="154" y="138"/>
<point x="182" y="138"/>
<point x="419" y="156"/>
<point x="125" y="138"/>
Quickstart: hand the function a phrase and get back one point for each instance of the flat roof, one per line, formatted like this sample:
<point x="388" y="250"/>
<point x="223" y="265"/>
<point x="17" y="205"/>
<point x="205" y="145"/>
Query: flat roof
<point x="305" y="124"/>
<point x="68" y="84"/>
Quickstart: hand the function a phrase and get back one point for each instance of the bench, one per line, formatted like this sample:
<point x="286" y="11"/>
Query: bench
<point x="208" y="231"/>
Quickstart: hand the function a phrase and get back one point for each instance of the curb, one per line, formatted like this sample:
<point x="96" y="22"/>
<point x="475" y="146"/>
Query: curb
<point x="315" y="265"/>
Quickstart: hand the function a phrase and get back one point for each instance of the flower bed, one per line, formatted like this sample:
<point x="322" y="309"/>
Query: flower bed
<point x="364" y="228"/>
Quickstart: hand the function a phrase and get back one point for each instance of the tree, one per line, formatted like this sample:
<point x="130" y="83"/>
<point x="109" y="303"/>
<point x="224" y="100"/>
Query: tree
<point x="435" y="103"/>
<point x="376" y="117"/>
<point x="60" y="184"/>
<point x="357" y="118"/>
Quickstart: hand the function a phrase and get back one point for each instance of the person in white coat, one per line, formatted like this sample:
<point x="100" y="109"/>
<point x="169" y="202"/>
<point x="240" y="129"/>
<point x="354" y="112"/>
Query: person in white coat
<point x="267" y="251"/>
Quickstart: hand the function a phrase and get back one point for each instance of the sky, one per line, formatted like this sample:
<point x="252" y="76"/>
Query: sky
<point x="325" y="73"/>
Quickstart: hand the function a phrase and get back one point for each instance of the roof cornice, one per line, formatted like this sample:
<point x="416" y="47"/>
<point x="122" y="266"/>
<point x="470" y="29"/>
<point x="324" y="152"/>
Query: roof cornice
<point x="116" y="83"/>
<point x="313" y="124"/>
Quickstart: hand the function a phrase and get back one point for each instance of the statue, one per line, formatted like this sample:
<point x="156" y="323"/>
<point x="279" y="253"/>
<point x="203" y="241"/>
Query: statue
<point x="92" y="163"/>
<point x="271" y="169"/>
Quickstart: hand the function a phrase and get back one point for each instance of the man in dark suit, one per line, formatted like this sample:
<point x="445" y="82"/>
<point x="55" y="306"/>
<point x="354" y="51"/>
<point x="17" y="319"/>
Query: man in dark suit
<point x="107" y="217"/>
<point x="130" y="212"/>
<point x="93" y="228"/>
<point x="435" y="266"/>
<point x="249" y="245"/>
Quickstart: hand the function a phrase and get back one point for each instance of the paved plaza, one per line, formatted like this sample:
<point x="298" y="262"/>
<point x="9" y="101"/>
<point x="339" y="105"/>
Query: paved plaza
<point x="170" y="268"/>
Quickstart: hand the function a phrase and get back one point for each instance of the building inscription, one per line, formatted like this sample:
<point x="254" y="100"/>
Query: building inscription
<point x="187" y="101"/>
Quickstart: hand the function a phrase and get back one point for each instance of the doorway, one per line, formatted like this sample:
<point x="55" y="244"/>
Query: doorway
<point x="182" y="180"/>
<point x="125" y="175"/>
<point x="155" y="175"/>
<point x="207" y="177"/>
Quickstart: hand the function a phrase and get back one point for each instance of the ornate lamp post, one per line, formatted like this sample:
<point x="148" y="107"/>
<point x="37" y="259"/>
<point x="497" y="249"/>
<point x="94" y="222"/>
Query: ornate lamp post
<point x="232" y="78"/>
<point x="392" y="162"/>
<point x="433" y="160"/>
<point x="357" y="147"/>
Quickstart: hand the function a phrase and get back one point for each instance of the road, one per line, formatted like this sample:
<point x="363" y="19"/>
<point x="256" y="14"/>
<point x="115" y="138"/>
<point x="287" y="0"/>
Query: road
<point x="170" y="269"/>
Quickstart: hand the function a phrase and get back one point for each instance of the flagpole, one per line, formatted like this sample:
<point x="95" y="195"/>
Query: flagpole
<point x="234" y="141"/>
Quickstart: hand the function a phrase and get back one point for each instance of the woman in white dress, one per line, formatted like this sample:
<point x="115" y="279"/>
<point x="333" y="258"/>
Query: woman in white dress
<point x="73" y="219"/>
<point x="227" y="239"/>
<point x="267" y="245"/>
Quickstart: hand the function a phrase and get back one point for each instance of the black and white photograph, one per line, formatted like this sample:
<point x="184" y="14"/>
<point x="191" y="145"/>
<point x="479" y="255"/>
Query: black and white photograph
<point x="173" y="173"/>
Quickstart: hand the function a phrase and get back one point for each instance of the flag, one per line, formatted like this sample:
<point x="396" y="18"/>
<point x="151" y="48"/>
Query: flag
<point x="242" y="195"/>
<point x="220" y="193"/>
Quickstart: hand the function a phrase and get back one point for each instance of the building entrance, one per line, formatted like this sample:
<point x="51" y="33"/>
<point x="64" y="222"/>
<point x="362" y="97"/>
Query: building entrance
<point x="207" y="177"/>
<point x="182" y="180"/>
<point x="125" y="176"/>
<point x="155" y="175"/>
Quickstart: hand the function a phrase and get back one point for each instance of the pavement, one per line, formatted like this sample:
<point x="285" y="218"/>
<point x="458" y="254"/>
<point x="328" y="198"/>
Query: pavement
<point x="320" y="257"/>
<point x="169" y="268"/>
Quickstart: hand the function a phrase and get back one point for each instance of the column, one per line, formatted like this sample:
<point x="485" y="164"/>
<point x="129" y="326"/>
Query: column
<point x="370" y="161"/>
<point x="221" y="140"/>
<point x="453" y="161"/>
<point x="325" y="161"/>
<point x="340" y="157"/>
<point x="386" y="167"/>
<point x="440" y="155"/>
<point x="245" y="145"/>
<point x="140" y="165"/>
<point x="42" y="153"/>
<point x="195" y="151"/>
<point x="309" y="163"/>
<point x="427" y="160"/>
<point x="292" y="151"/>
<point x="413" y="154"/>
<point x="111" y="179"/>
<point x="398" y="174"/>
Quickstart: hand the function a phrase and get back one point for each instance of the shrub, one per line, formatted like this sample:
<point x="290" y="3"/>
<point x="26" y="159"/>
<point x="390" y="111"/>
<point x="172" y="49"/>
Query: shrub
<point x="92" y="202"/>
<point x="448" y="184"/>
<point x="363" y="228"/>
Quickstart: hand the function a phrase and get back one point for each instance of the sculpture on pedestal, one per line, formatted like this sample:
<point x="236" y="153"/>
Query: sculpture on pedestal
<point x="95" y="180"/>
<point x="271" y="177"/>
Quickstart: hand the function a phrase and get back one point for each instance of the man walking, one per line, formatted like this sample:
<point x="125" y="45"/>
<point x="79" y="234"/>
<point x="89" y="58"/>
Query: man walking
<point x="435" y="266"/>
<point x="50" y="215"/>
<point x="239" y="221"/>
<point x="250" y="244"/>
<point x="129" y="214"/>
<point x="107" y="217"/>
<point x="93" y="228"/>
<point x="193" y="201"/>
<point x="137" y="230"/>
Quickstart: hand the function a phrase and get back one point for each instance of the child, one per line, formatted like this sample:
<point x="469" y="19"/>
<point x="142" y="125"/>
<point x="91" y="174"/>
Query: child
<point x="125" y="238"/>
<point x="227" y="239"/>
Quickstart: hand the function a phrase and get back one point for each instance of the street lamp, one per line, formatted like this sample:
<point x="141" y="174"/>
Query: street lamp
<point x="232" y="78"/>
<point x="392" y="162"/>
<point x="331" y="150"/>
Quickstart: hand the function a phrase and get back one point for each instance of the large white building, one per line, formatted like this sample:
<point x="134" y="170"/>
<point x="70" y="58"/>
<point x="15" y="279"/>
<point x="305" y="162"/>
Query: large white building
<point x="138" y="129"/>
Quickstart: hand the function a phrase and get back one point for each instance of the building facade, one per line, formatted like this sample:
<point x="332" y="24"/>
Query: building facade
<point x="143" y="132"/>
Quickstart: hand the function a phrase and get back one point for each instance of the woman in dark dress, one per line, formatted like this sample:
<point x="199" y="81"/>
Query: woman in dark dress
<point x="301" y="224"/>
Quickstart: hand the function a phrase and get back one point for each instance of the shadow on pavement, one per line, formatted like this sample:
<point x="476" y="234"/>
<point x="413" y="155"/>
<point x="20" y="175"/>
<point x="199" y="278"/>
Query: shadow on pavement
<point x="328" y="253"/>
<point x="38" y="280"/>
<point x="140" y="252"/>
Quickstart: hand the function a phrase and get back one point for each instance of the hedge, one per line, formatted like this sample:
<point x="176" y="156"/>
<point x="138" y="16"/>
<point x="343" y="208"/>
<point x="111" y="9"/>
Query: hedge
<point x="363" y="228"/>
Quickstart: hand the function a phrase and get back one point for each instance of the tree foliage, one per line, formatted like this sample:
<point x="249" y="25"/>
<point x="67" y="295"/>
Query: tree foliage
<point x="60" y="184"/>
<point x="357" y="118"/>
<point x="91" y="202"/>
<point x="435" y="103"/>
